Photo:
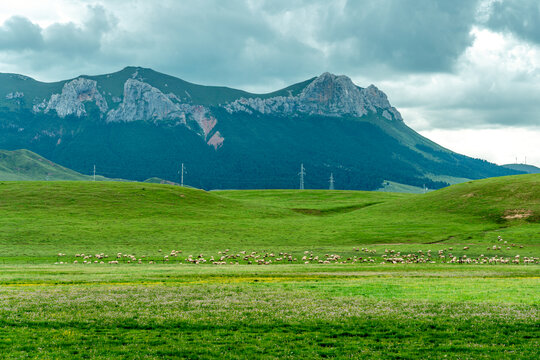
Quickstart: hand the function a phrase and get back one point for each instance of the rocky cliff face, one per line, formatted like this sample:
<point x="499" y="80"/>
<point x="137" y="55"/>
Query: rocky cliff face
<point x="332" y="95"/>
<point x="142" y="101"/>
<point x="378" y="100"/>
<point x="71" y="100"/>
<point x="14" y="95"/>
<point x="328" y="95"/>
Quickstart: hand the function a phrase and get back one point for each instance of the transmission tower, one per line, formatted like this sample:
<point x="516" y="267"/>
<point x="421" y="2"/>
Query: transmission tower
<point x="331" y="181"/>
<point x="94" y="172"/>
<point x="182" y="172"/>
<point x="302" y="173"/>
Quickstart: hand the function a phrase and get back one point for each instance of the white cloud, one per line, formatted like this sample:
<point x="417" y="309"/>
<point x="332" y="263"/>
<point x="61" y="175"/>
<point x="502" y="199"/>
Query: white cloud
<point x="496" y="83"/>
<point x="498" y="145"/>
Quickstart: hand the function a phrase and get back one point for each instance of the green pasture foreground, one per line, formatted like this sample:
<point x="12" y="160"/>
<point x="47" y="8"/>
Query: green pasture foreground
<point x="353" y="307"/>
<point x="38" y="220"/>
<point x="277" y="312"/>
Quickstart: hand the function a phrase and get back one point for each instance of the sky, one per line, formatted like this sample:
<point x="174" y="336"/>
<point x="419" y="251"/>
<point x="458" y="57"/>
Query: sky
<point x="464" y="73"/>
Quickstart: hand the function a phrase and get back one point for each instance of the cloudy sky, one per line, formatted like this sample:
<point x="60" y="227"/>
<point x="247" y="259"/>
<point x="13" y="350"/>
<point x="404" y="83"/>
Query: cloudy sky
<point x="464" y="73"/>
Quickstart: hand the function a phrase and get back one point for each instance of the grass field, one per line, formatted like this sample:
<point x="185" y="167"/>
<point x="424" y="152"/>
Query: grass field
<point x="361" y="303"/>
<point x="41" y="219"/>
<point x="294" y="311"/>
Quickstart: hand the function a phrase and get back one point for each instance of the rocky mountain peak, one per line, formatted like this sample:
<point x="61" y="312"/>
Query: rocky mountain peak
<point x="141" y="101"/>
<point x="331" y="94"/>
<point x="379" y="100"/>
<point x="330" y="85"/>
<point x="326" y="95"/>
<point x="71" y="100"/>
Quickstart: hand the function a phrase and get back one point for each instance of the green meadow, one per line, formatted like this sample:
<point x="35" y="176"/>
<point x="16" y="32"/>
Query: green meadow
<point x="273" y="274"/>
<point x="269" y="312"/>
<point x="41" y="219"/>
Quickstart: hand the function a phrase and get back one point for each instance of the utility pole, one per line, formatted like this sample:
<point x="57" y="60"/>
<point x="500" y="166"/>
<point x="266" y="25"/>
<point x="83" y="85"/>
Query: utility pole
<point x="94" y="172"/>
<point x="302" y="173"/>
<point x="182" y="175"/>
<point x="331" y="182"/>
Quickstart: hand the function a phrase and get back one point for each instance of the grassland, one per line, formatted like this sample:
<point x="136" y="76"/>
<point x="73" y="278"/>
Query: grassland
<point x="274" y="312"/>
<point x="41" y="219"/>
<point x="345" y="309"/>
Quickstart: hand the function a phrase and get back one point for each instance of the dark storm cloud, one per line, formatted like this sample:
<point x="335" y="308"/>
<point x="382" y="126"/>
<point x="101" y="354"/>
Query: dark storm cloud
<point x="520" y="17"/>
<point x="216" y="42"/>
<point x="19" y="33"/>
<point x="249" y="41"/>
<point x="77" y="40"/>
<point x="417" y="36"/>
<point x="255" y="42"/>
<point x="56" y="46"/>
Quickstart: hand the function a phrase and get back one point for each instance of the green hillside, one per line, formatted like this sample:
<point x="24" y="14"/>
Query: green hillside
<point x="40" y="219"/>
<point x="24" y="165"/>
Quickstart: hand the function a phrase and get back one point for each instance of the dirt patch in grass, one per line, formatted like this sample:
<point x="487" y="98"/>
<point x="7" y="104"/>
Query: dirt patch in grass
<point x="517" y="214"/>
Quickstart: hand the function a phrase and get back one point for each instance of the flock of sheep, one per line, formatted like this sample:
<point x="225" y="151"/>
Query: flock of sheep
<point x="267" y="258"/>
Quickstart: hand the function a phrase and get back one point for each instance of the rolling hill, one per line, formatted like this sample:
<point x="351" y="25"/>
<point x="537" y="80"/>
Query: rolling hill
<point x="138" y="123"/>
<point x="40" y="219"/>
<point x="21" y="165"/>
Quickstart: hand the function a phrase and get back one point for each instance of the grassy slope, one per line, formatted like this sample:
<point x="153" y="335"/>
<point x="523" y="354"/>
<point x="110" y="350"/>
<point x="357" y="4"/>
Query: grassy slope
<point x="25" y="165"/>
<point x="40" y="219"/>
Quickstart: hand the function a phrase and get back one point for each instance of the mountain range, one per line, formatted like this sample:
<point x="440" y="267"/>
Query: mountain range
<point x="138" y="123"/>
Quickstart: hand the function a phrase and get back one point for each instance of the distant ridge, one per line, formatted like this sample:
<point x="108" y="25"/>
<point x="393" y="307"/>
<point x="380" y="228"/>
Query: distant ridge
<point x="529" y="169"/>
<point x="155" y="180"/>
